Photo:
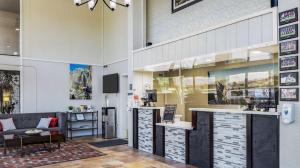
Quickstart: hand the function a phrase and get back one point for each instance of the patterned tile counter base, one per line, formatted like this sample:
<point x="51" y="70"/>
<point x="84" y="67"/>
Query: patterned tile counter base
<point x="175" y="144"/>
<point x="229" y="140"/>
<point x="145" y="130"/>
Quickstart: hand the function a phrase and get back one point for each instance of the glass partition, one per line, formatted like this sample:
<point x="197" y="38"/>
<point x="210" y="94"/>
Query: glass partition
<point x="220" y="81"/>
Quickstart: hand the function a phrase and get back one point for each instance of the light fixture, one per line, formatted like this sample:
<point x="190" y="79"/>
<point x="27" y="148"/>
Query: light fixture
<point x="112" y="5"/>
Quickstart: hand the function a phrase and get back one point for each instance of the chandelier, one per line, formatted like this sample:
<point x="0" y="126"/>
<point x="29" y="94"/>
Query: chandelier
<point x="112" y="5"/>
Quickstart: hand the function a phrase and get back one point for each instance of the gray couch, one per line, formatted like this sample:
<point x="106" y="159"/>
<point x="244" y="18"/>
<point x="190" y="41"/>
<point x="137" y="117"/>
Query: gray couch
<point x="27" y="121"/>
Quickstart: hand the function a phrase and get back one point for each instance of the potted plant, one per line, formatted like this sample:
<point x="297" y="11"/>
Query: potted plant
<point x="70" y="108"/>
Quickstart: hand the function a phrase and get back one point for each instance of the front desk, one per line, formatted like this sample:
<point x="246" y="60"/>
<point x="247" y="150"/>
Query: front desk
<point x="216" y="138"/>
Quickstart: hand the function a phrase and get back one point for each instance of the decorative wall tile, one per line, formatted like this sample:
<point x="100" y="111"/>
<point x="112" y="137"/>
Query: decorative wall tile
<point x="145" y="130"/>
<point x="175" y="144"/>
<point x="229" y="140"/>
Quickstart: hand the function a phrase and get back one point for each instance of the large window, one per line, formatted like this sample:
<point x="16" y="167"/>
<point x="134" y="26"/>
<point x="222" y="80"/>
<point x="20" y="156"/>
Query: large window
<point x="220" y="81"/>
<point x="10" y="27"/>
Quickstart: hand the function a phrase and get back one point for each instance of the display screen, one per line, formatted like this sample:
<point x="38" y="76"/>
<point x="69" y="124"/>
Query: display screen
<point x="111" y="83"/>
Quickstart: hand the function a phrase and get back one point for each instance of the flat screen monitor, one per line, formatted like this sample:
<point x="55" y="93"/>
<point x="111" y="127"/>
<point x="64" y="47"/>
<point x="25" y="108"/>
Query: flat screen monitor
<point x="111" y="83"/>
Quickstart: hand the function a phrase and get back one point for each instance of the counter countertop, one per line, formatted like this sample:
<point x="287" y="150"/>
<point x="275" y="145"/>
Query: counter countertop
<point x="179" y="125"/>
<point x="213" y="110"/>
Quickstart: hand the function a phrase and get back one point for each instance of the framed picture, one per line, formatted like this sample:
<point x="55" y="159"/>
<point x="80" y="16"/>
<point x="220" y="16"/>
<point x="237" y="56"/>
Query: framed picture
<point x="288" y="63"/>
<point x="288" y="32"/>
<point x="178" y="5"/>
<point x="289" y="94"/>
<point x="288" y="47"/>
<point x="288" y="16"/>
<point x="289" y="79"/>
<point x="80" y="82"/>
<point x="79" y="117"/>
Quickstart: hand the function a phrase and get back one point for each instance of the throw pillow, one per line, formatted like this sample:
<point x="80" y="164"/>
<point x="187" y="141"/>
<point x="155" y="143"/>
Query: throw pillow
<point x="44" y="123"/>
<point x="53" y="122"/>
<point x="8" y="124"/>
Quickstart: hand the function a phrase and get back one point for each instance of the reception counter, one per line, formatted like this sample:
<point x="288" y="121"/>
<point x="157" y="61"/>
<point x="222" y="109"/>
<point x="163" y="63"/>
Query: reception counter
<point x="174" y="140"/>
<point x="232" y="138"/>
<point x="169" y="140"/>
<point x="216" y="138"/>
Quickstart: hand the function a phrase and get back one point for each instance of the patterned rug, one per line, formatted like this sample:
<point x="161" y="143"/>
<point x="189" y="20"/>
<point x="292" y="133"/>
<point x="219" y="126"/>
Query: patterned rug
<point x="68" y="152"/>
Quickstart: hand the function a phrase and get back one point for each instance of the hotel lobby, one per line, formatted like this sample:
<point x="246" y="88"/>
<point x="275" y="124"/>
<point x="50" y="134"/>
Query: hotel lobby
<point x="149" y="84"/>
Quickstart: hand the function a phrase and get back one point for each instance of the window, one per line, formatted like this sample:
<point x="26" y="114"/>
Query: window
<point x="10" y="27"/>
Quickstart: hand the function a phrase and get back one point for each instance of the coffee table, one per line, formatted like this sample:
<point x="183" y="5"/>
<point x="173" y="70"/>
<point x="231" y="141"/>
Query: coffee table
<point x="20" y="140"/>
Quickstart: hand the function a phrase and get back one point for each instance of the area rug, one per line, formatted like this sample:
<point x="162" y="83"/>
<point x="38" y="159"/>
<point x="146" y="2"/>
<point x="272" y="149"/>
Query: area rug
<point x="67" y="152"/>
<point x="109" y="143"/>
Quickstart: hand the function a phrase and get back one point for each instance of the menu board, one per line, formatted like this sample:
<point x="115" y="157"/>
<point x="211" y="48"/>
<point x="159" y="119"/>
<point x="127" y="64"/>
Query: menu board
<point x="169" y="113"/>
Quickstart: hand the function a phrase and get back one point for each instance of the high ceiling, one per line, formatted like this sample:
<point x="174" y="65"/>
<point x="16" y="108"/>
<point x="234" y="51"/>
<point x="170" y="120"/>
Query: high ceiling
<point x="10" y="6"/>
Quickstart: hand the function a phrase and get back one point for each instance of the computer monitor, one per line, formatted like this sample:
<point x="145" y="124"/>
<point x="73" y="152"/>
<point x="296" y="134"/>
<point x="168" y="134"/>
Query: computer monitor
<point x="152" y="95"/>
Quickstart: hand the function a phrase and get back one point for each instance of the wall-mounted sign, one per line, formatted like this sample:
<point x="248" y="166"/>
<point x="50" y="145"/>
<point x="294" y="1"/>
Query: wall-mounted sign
<point x="289" y="79"/>
<point x="288" y="32"/>
<point x="288" y="63"/>
<point x="178" y="5"/>
<point x="288" y="16"/>
<point x="289" y="94"/>
<point x="288" y="47"/>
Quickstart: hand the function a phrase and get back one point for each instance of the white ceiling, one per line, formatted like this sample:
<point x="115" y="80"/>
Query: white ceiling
<point x="10" y="6"/>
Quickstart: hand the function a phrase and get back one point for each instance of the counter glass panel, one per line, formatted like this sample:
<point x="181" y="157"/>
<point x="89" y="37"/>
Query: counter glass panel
<point x="220" y="81"/>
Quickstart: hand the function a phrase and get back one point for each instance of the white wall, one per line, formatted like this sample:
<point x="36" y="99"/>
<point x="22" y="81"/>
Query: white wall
<point x="115" y="35"/>
<point x="56" y="33"/>
<point x="46" y="87"/>
<point x="58" y="30"/>
<point x="116" y="99"/>
<point x="290" y="134"/>
<point x="163" y="25"/>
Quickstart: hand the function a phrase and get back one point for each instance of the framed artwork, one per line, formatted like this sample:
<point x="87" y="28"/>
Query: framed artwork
<point x="80" y="117"/>
<point x="289" y="79"/>
<point x="178" y="5"/>
<point x="288" y="63"/>
<point x="288" y="16"/>
<point x="289" y="94"/>
<point x="80" y="82"/>
<point x="288" y="32"/>
<point x="288" y="47"/>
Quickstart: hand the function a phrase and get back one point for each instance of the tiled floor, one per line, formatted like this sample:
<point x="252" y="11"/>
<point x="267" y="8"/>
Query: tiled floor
<point x="119" y="157"/>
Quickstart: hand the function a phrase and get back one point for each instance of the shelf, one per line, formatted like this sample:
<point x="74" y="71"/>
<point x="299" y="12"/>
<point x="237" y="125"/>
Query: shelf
<point x="81" y="120"/>
<point x="79" y="129"/>
<point x="82" y="112"/>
